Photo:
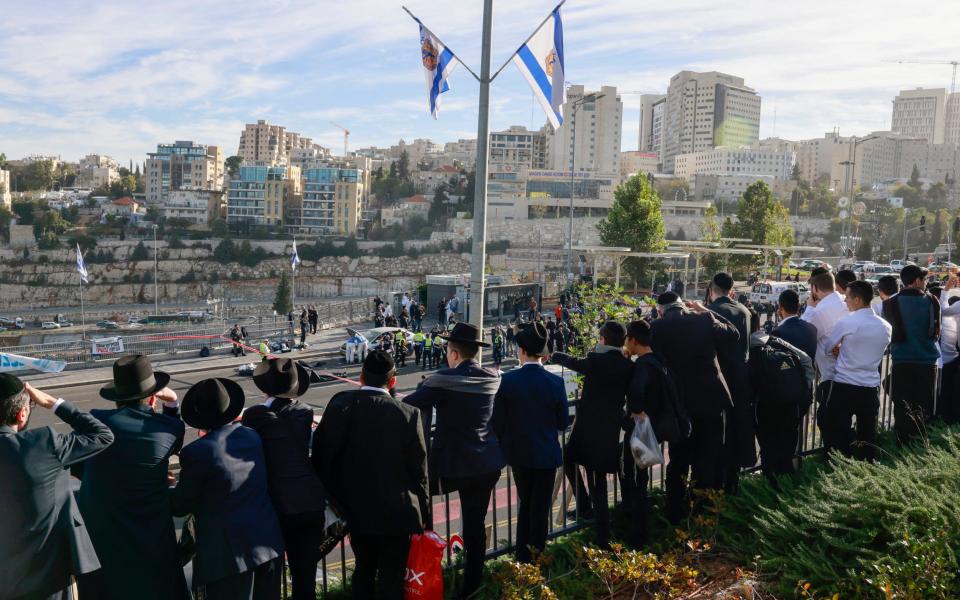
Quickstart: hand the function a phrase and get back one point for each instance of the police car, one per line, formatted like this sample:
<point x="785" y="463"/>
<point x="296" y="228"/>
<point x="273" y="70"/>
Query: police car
<point x="764" y="294"/>
<point x="375" y="336"/>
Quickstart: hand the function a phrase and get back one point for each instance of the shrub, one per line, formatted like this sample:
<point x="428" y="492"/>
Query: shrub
<point x="188" y="277"/>
<point x="139" y="252"/>
<point x="175" y="243"/>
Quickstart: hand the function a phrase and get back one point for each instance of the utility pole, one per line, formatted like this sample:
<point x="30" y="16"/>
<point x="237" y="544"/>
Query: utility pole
<point x="156" y="284"/>
<point x="573" y="161"/>
<point x="479" y="256"/>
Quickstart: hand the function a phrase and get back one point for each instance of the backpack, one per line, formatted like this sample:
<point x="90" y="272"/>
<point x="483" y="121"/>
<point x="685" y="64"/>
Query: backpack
<point x="672" y="424"/>
<point x="781" y="374"/>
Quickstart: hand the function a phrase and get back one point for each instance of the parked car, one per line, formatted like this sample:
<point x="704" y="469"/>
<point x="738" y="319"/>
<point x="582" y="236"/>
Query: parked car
<point x="899" y="264"/>
<point x="810" y="264"/>
<point x="766" y="293"/>
<point x="108" y="325"/>
<point x="50" y="325"/>
<point x="374" y="336"/>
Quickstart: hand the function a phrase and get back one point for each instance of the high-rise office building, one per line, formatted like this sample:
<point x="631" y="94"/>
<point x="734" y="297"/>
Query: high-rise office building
<point x="921" y="113"/>
<point x="182" y="165"/>
<point x="597" y="126"/>
<point x="652" y="109"/>
<point x="706" y="110"/>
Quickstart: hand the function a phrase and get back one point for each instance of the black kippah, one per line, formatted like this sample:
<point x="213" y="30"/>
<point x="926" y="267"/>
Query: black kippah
<point x="667" y="298"/>
<point x="378" y="362"/>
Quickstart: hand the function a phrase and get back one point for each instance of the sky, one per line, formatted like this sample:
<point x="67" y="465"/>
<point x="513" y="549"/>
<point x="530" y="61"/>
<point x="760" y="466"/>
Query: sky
<point x="117" y="77"/>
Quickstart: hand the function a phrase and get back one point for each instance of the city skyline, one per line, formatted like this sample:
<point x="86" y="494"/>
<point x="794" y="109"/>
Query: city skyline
<point x="117" y="79"/>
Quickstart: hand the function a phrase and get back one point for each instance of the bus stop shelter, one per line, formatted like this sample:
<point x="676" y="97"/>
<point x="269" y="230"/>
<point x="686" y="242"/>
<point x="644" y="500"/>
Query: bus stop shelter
<point x="713" y="248"/>
<point x="620" y="254"/>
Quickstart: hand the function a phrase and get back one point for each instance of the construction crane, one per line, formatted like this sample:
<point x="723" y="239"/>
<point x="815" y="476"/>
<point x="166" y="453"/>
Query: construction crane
<point x="921" y="61"/>
<point x="346" y="137"/>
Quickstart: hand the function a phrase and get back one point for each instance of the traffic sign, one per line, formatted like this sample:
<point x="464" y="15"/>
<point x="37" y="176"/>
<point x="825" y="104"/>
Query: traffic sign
<point x="859" y="208"/>
<point x="843" y="201"/>
<point x="844" y="214"/>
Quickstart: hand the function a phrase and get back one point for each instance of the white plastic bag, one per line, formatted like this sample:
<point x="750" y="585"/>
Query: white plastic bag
<point x="643" y="444"/>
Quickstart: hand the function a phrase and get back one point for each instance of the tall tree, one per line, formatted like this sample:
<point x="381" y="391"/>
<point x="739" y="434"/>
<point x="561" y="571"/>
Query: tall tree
<point x="795" y="173"/>
<point x="438" y="208"/>
<point x="710" y="231"/>
<point x="38" y="175"/>
<point x="232" y="165"/>
<point x="403" y="166"/>
<point x="282" y="302"/>
<point x="914" y="178"/>
<point x="635" y="220"/>
<point x="761" y="218"/>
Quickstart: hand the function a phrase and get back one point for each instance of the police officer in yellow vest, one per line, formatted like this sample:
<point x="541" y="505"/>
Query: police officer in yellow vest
<point x="418" y="339"/>
<point x="264" y="350"/>
<point x="438" y="353"/>
<point x="427" y="351"/>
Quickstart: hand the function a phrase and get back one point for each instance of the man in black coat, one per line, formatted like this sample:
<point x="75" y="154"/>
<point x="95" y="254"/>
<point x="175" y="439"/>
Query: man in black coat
<point x="688" y="337"/>
<point x="285" y="426"/>
<point x="739" y="443"/>
<point x="370" y="453"/>
<point x="43" y="540"/>
<point x="223" y="483"/>
<point x="792" y="328"/>
<point x="595" y="439"/>
<point x="529" y="411"/>
<point x="124" y="497"/>
<point x="465" y="455"/>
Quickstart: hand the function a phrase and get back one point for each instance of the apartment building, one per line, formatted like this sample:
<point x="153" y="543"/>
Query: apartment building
<point x="182" y="165"/>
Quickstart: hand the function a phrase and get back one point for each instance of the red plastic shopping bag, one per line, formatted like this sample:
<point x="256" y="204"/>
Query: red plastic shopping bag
<point x="424" y="580"/>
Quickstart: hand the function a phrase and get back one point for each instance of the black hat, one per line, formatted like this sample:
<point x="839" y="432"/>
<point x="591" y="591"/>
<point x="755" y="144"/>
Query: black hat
<point x="667" y="298"/>
<point x="723" y="281"/>
<point x="212" y="403"/>
<point x="281" y="378"/>
<point x="10" y="386"/>
<point x="911" y="273"/>
<point x="134" y="379"/>
<point x="533" y="339"/>
<point x="378" y="362"/>
<point x="465" y="333"/>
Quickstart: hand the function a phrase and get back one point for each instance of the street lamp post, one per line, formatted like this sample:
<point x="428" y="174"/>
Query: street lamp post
<point x="156" y="284"/>
<point x="573" y="161"/>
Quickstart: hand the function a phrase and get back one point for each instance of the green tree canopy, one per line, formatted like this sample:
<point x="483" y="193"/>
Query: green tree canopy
<point x="232" y="165"/>
<point x="37" y="175"/>
<point x="281" y="301"/>
<point x="635" y="220"/>
<point x="139" y="252"/>
<point x="761" y="218"/>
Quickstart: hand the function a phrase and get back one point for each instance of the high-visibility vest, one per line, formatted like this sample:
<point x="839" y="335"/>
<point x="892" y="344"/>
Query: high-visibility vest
<point x="438" y="341"/>
<point x="398" y="337"/>
<point x="428" y="342"/>
<point x="418" y="337"/>
<point x="264" y="349"/>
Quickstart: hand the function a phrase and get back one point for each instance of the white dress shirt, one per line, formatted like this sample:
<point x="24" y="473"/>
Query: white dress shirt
<point x="863" y="339"/>
<point x="949" y="326"/>
<point x="824" y="317"/>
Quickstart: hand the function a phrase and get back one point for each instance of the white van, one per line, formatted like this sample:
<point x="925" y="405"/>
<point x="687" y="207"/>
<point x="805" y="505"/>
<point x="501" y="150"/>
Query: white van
<point x="766" y="293"/>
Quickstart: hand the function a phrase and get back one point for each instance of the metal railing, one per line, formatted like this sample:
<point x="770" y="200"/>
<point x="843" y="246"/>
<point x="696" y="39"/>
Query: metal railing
<point x="336" y="567"/>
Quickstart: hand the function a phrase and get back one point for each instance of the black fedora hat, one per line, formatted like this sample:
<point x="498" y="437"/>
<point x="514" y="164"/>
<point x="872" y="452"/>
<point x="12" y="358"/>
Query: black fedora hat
<point x="281" y="378"/>
<point x="465" y="333"/>
<point x="10" y="386"/>
<point x="134" y="379"/>
<point x="533" y="339"/>
<point x="212" y="403"/>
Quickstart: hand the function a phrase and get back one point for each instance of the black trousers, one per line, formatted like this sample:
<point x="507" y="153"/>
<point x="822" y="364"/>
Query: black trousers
<point x="913" y="389"/>
<point x="301" y="534"/>
<point x="694" y="464"/>
<point x="948" y="401"/>
<point x="535" y="497"/>
<point x="778" y="433"/>
<point x="381" y="566"/>
<point x="261" y="583"/>
<point x="474" y="498"/>
<point x="840" y="405"/>
<point x="633" y="483"/>
<point x="580" y="495"/>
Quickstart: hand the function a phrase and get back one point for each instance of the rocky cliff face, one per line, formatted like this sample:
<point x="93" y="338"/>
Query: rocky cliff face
<point x="47" y="279"/>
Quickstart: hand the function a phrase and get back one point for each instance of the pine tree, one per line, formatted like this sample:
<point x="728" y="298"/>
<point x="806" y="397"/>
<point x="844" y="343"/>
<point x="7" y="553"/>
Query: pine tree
<point x="281" y="302"/>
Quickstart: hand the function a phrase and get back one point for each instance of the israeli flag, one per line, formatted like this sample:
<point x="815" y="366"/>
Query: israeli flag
<point x="81" y="267"/>
<point x="438" y="62"/>
<point x="541" y="62"/>
<point x="294" y="258"/>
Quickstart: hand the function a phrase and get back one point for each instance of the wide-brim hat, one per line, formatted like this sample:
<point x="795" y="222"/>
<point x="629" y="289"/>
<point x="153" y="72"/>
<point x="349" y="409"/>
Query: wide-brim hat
<point x="134" y="379"/>
<point x="212" y="403"/>
<point x="281" y="378"/>
<point x="10" y="386"/>
<point x="532" y="339"/>
<point x="465" y="333"/>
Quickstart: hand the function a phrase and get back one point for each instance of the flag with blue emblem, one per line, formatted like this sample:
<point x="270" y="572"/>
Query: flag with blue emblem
<point x="294" y="258"/>
<point x="438" y="62"/>
<point x="81" y="267"/>
<point x="540" y="60"/>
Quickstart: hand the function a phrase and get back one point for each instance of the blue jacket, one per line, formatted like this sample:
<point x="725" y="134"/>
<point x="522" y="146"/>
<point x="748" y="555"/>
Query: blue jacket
<point x="799" y="333"/>
<point x="529" y="411"/>
<point x="463" y="443"/>
<point x="223" y="483"/>
<point x="125" y="501"/>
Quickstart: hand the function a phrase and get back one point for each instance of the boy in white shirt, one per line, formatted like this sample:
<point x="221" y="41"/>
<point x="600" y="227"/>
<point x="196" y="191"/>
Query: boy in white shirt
<point x="859" y="342"/>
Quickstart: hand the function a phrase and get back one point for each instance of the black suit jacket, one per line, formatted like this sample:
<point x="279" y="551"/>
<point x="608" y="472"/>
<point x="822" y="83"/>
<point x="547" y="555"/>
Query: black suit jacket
<point x="688" y="342"/>
<point x="529" y="410"/>
<point x="125" y="502"/>
<point x="733" y="356"/>
<point x="799" y="333"/>
<point x="463" y="443"/>
<point x="223" y="483"/>
<point x="370" y="454"/>
<point x="43" y="539"/>
<point x="595" y="439"/>
<point x="285" y="428"/>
